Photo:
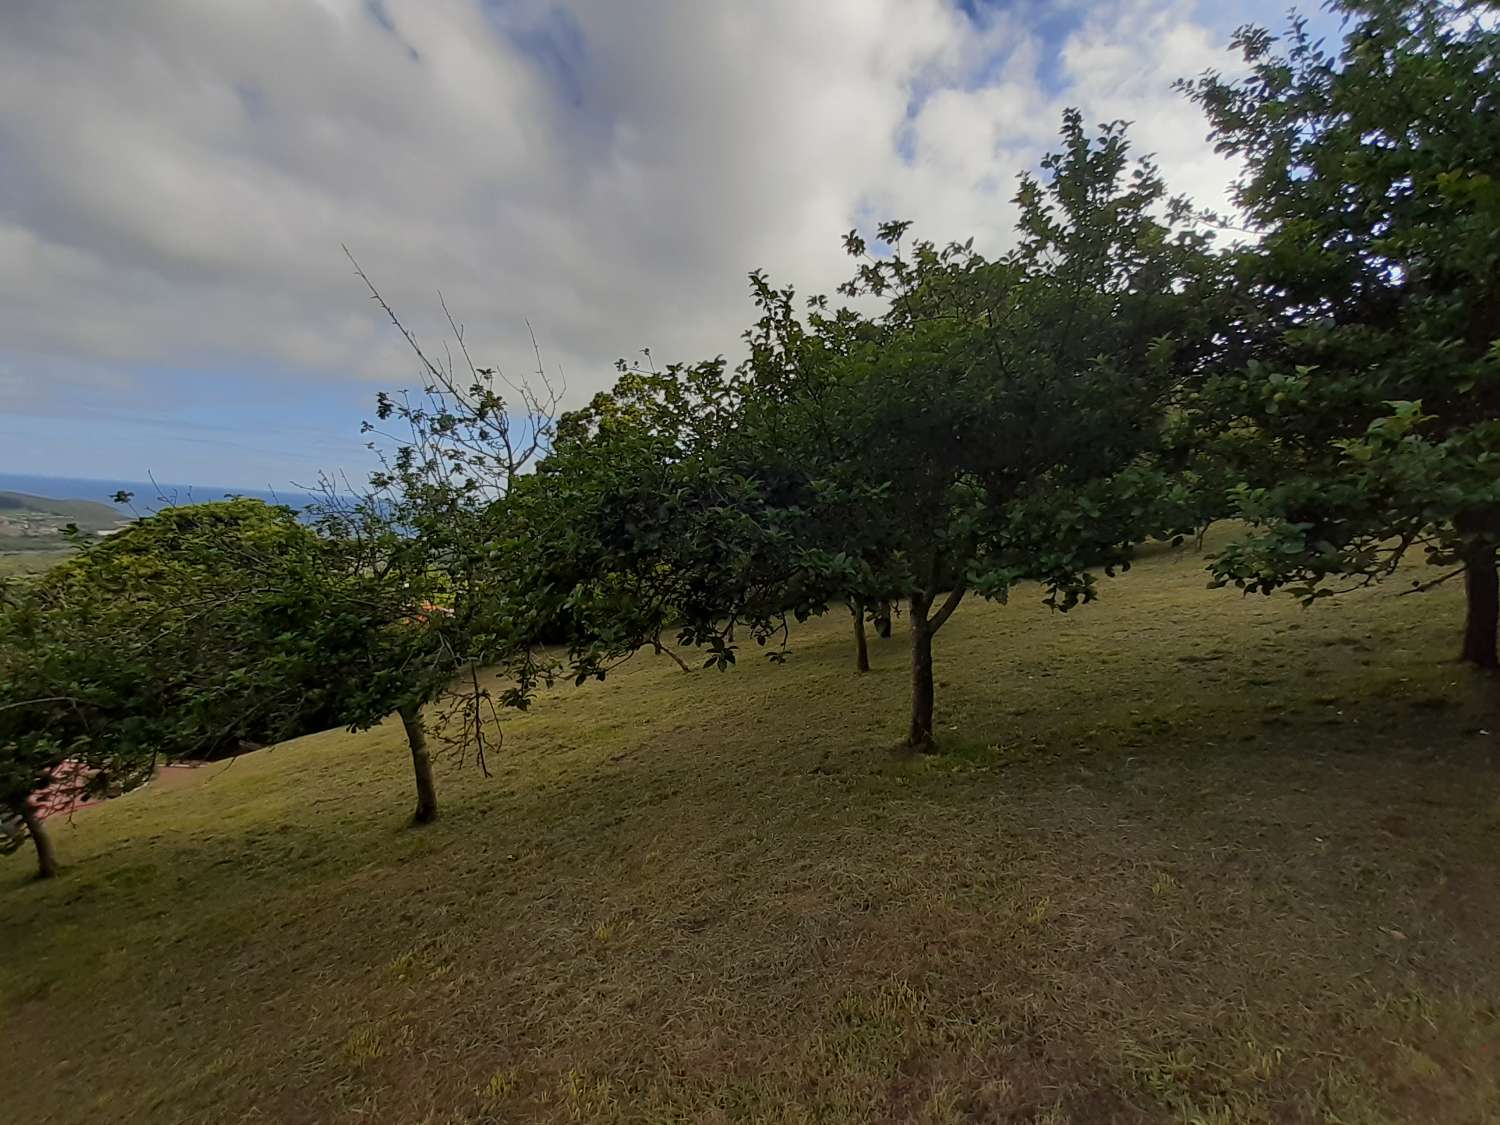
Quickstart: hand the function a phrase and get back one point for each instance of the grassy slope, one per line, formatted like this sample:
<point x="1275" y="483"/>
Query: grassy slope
<point x="36" y="561"/>
<point x="1193" y="858"/>
<point x="30" y="554"/>
<point x="90" y="515"/>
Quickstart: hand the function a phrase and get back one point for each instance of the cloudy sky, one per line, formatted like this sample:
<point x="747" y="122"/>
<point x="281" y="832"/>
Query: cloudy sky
<point x="177" y="178"/>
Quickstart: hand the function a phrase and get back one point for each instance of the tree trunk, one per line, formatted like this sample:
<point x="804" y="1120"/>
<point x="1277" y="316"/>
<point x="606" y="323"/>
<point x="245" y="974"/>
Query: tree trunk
<point x="861" y="648"/>
<point x="421" y="763"/>
<point x="920" y="736"/>
<point x="1482" y="586"/>
<point x="46" y="859"/>
<point x="882" y="617"/>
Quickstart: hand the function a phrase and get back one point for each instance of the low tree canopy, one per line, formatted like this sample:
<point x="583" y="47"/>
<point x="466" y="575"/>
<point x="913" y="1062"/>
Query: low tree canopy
<point x="186" y="634"/>
<point x="1368" y="423"/>
<point x="993" y="422"/>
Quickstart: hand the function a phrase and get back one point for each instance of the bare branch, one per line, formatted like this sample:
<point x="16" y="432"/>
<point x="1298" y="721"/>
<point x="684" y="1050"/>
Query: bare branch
<point x="38" y="700"/>
<point x="662" y="649"/>
<point x="1425" y="586"/>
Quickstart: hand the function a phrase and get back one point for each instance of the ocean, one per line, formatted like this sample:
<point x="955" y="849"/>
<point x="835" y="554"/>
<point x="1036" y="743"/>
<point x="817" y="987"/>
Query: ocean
<point x="148" y="497"/>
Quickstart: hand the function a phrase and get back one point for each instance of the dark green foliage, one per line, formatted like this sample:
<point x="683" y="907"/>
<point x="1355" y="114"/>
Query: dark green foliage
<point x="241" y="630"/>
<point x="994" y="423"/>
<point x="1369" y="421"/>
<point x="183" y="635"/>
<point x="647" y="521"/>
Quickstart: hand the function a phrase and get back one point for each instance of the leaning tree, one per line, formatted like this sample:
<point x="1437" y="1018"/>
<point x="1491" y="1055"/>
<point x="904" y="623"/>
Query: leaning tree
<point x="72" y="666"/>
<point x="1370" y="423"/>
<point x="187" y="634"/>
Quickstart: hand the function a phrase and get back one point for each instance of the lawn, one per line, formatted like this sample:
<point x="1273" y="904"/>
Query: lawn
<point x="1188" y="857"/>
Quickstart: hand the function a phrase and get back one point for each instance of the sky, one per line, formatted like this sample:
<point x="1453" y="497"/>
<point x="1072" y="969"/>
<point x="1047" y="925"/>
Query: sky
<point x="178" y="179"/>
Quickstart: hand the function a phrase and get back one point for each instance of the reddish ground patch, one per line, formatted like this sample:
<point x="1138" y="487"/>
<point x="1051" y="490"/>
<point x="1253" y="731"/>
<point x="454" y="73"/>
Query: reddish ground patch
<point x="70" y="781"/>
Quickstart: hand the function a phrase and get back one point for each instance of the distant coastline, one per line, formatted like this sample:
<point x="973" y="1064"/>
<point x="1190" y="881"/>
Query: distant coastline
<point x="147" y="497"/>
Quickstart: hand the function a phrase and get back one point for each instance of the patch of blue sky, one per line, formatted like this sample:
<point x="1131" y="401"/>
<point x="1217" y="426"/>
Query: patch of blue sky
<point x="227" y="426"/>
<point x="552" y="38"/>
<point x="377" y="11"/>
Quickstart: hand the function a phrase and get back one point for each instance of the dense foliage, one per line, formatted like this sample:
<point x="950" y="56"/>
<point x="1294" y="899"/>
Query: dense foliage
<point x="187" y="634"/>
<point x="959" y="424"/>
<point x="1368" y="421"/>
<point x="993" y="422"/>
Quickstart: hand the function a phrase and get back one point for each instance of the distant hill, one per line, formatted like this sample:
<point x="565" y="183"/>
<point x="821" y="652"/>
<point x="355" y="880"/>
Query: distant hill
<point x="89" y="515"/>
<point x="147" y="496"/>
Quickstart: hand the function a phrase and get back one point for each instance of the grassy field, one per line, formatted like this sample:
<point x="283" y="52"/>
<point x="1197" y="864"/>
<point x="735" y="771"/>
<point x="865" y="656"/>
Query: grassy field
<point x="1189" y="858"/>
<point x="32" y="562"/>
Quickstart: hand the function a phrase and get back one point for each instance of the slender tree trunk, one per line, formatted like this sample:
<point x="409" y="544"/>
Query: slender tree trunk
<point x="421" y="763"/>
<point x="1482" y="586"/>
<point x="861" y="647"/>
<point x="924" y="624"/>
<point x="46" y="858"/>
<point x="882" y="617"/>
<point x="920" y="736"/>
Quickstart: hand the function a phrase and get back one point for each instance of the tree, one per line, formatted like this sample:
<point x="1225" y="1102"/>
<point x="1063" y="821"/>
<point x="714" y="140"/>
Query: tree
<point x="993" y="424"/>
<point x="414" y="616"/>
<point x="415" y="558"/>
<point x="65" y="696"/>
<point x="182" y="634"/>
<point x="1371" y="423"/>
<point x="647" y="523"/>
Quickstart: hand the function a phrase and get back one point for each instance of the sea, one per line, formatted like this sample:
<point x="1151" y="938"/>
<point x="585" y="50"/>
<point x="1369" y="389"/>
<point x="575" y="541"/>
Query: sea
<point x="147" y="496"/>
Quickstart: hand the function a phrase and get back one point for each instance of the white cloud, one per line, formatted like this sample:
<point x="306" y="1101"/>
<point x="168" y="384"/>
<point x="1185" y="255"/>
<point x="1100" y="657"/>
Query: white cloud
<point x="176" y="176"/>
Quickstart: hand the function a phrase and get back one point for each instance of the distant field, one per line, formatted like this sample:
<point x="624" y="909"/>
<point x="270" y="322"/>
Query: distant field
<point x="88" y="514"/>
<point x="1190" y="858"/>
<point x="35" y="526"/>
<point x="31" y="562"/>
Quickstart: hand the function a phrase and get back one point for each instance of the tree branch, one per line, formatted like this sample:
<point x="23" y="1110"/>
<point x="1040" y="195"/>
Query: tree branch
<point x="945" y="611"/>
<point x="39" y="699"/>
<point x="661" y="648"/>
<point x="1425" y="586"/>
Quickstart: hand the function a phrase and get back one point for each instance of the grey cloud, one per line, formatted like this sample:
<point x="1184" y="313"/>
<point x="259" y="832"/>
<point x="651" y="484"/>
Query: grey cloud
<point x="178" y="175"/>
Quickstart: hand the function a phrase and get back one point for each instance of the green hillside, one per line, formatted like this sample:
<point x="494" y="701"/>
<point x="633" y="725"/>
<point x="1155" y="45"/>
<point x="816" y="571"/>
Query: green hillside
<point x="32" y="528"/>
<point x="1191" y="857"/>
<point x="31" y="561"/>
<point x="89" y="515"/>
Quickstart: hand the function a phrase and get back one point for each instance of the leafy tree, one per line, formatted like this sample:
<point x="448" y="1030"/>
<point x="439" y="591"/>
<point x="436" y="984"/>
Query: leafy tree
<point x="791" y="438"/>
<point x="1200" y="470"/>
<point x="647" y="523"/>
<point x="993" y="424"/>
<point x="65" y="696"/>
<point x="413" y="615"/>
<point x="182" y="634"/>
<point x="415" y="559"/>
<point x="1371" y="424"/>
